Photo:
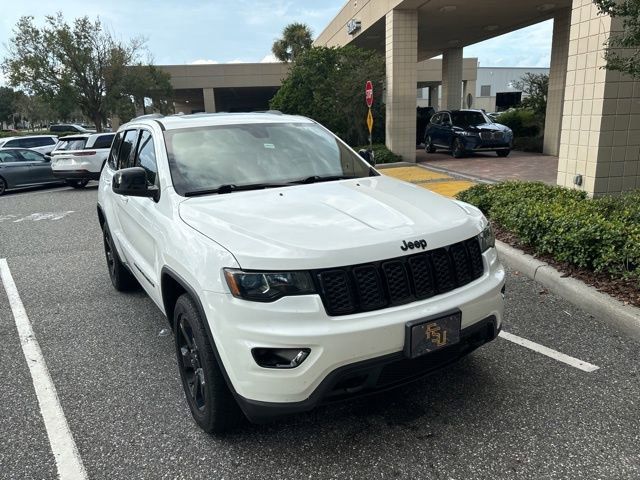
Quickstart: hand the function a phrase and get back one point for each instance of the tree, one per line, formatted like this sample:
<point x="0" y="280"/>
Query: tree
<point x="536" y="88"/>
<point x="623" y="47"/>
<point x="327" y="84"/>
<point x="7" y="104"/>
<point x="72" y="64"/>
<point x="32" y="109"/>
<point x="296" y="38"/>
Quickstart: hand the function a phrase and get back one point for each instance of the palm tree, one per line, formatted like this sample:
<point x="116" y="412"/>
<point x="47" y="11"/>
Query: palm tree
<point x="296" y="38"/>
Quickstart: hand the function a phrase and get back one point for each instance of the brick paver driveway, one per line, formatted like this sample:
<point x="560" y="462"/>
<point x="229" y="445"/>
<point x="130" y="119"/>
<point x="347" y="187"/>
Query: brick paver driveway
<point x="487" y="166"/>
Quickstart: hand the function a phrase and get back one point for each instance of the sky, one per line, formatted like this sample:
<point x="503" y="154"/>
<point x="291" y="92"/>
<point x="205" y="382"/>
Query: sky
<point x="232" y="31"/>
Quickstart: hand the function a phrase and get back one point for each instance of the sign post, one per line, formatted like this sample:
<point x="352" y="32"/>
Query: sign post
<point x="368" y="93"/>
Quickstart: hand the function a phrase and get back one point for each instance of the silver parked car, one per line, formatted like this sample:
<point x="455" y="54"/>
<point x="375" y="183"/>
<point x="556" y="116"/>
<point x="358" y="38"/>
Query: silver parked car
<point x="21" y="167"/>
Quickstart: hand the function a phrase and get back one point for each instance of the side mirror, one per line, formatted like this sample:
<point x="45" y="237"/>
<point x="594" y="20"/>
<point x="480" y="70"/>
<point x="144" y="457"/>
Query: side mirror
<point x="133" y="182"/>
<point x="368" y="155"/>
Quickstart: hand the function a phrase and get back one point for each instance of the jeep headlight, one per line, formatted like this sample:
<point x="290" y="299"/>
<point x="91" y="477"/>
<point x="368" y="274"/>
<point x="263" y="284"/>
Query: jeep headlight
<point x="487" y="239"/>
<point x="267" y="286"/>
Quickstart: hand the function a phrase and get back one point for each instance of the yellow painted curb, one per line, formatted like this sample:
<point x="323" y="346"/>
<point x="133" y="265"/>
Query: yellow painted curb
<point x="414" y="174"/>
<point x="448" y="189"/>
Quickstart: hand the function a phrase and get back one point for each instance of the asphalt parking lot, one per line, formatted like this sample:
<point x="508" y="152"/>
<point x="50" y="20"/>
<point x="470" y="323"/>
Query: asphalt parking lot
<point x="504" y="412"/>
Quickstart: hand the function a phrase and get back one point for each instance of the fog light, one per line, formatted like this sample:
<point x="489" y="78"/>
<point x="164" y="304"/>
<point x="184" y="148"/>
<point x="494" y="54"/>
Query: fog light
<point x="280" y="357"/>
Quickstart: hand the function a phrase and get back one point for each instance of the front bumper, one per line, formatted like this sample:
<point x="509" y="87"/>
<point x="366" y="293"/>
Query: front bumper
<point x="476" y="144"/>
<point x="337" y="344"/>
<point x="375" y="375"/>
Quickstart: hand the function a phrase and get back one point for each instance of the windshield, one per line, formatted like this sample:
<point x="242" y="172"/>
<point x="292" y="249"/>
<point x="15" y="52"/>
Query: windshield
<point x="71" y="144"/>
<point x="206" y="158"/>
<point x="469" y="119"/>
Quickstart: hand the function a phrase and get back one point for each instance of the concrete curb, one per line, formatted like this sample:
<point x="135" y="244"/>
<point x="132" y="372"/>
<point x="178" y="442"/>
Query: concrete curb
<point x="382" y="166"/>
<point x="623" y="317"/>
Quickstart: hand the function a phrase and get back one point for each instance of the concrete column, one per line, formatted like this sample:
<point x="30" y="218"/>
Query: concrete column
<point x="600" y="137"/>
<point x="402" y="78"/>
<point x="433" y="97"/>
<point x="452" y="78"/>
<point x="209" y="100"/>
<point x="557" y="79"/>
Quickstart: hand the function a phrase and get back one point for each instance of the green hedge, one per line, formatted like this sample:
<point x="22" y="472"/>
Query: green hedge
<point x="601" y="234"/>
<point x="382" y="153"/>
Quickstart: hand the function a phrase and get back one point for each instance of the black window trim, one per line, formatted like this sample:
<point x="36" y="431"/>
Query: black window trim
<point x="135" y="159"/>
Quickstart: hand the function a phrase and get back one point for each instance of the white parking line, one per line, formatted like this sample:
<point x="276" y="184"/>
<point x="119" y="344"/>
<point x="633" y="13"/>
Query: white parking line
<point x="561" y="357"/>
<point x="64" y="449"/>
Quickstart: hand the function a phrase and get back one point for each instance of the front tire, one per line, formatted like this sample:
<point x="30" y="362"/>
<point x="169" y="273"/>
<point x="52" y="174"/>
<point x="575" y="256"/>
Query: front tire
<point x="457" y="149"/>
<point x="3" y="186"/>
<point x="428" y="145"/>
<point x="503" y="153"/>
<point x="121" y="278"/>
<point x="77" y="183"/>
<point x="211" y="403"/>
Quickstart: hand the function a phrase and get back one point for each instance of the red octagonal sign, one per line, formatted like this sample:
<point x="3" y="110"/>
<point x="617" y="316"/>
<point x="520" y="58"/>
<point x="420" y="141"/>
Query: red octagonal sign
<point x="368" y="91"/>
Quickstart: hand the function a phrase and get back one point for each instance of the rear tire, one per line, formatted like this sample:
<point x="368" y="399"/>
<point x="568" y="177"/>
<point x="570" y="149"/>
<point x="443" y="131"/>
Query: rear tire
<point x="457" y="149"/>
<point x="211" y="402"/>
<point x="121" y="278"/>
<point x="428" y="146"/>
<point x="77" y="183"/>
<point x="503" y="153"/>
<point x="3" y="186"/>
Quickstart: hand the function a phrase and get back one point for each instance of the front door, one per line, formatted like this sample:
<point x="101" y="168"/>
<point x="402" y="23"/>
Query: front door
<point x="139" y="218"/>
<point x="14" y="169"/>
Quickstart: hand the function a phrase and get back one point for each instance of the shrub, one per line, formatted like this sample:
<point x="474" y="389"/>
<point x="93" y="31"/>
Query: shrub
<point x="601" y="234"/>
<point x="522" y="121"/>
<point x="382" y="153"/>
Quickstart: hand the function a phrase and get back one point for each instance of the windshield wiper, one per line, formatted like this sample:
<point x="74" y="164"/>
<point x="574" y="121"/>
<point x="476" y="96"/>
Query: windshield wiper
<point x="326" y="178"/>
<point x="230" y="187"/>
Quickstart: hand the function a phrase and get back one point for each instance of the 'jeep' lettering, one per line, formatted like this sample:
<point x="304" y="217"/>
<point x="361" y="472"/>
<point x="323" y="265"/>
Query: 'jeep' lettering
<point x="418" y="244"/>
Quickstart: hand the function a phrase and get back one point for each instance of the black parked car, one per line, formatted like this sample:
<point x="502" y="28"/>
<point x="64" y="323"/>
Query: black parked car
<point x="463" y="131"/>
<point x="21" y="167"/>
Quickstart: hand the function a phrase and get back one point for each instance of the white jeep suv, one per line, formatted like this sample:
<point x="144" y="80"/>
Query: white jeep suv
<point x="291" y="271"/>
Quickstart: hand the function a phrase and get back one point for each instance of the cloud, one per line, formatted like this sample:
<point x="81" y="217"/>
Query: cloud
<point x="270" y="58"/>
<point x="204" y="62"/>
<point x="507" y="50"/>
<point x="237" y="60"/>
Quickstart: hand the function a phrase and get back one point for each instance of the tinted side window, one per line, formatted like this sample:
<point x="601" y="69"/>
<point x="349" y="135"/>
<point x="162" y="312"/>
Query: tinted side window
<point x="103" y="141"/>
<point x="113" y="154"/>
<point x="436" y="119"/>
<point x="8" y="156"/>
<point x="146" y="157"/>
<point x="18" y="142"/>
<point x="127" y="149"/>
<point x="31" y="156"/>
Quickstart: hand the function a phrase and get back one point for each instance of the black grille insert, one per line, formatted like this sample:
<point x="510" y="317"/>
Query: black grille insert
<point x="401" y="280"/>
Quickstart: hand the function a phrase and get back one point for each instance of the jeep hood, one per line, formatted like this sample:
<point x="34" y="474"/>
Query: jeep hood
<point x="329" y="224"/>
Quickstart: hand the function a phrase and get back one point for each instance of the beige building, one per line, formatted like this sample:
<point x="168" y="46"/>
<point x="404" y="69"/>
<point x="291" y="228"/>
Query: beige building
<point x="593" y="115"/>
<point x="249" y="86"/>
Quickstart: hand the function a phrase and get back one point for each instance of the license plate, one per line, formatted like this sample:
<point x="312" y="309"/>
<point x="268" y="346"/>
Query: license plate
<point x="428" y="335"/>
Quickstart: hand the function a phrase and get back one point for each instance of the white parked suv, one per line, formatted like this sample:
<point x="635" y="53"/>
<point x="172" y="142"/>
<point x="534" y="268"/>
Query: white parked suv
<point x="43" y="144"/>
<point x="292" y="273"/>
<point x="80" y="158"/>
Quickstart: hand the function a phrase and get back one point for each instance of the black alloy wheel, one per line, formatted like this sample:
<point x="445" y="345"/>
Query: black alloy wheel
<point x="121" y="278"/>
<point x="3" y="186"/>
<point x="458" y="148"/>
<point x="210" y="400"/>
<point x="77" y="183"/>
<point x="190" y="365"/>
<point x="428" y="145"/>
